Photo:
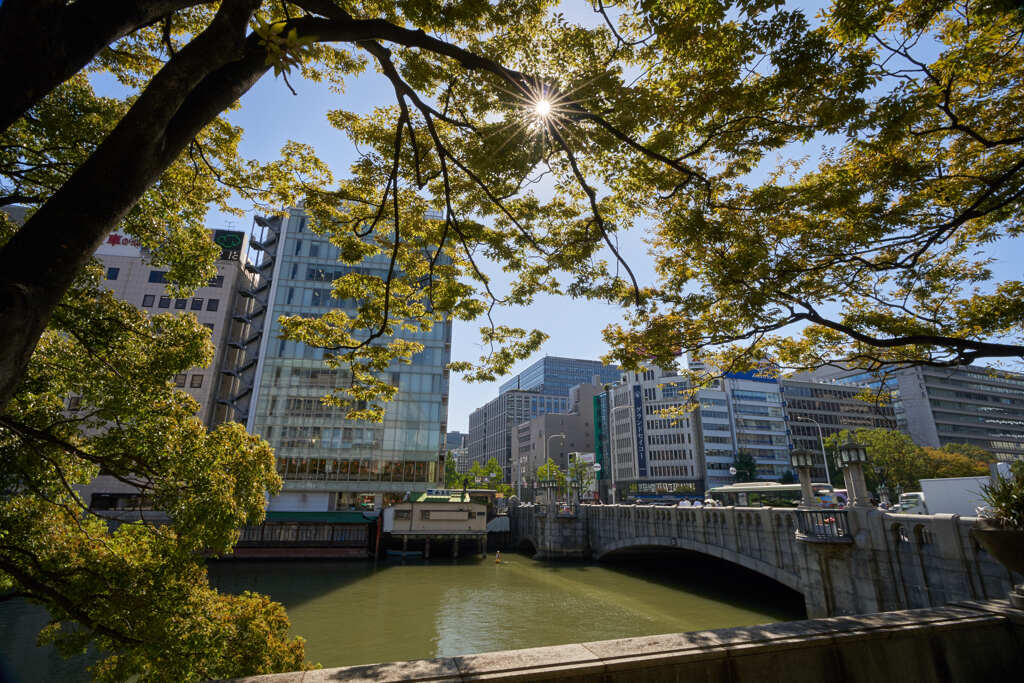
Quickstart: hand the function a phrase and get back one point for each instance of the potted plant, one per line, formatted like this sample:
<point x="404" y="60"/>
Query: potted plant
<point x="1000" y="527"/>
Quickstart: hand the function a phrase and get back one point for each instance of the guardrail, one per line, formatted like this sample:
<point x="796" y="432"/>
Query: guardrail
<point x="823" y="526"/>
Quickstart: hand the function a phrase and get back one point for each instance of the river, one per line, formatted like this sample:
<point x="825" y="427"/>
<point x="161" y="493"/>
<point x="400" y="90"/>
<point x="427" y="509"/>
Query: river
<point x="354" y="613"/>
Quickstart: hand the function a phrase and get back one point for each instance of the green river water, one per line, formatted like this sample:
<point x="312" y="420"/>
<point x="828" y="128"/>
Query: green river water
<point x="355" y="613"/>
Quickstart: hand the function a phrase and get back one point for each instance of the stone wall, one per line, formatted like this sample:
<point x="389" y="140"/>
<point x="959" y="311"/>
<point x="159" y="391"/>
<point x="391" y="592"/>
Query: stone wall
<point x="887" y="562"/>
<point x="955" y="644"/>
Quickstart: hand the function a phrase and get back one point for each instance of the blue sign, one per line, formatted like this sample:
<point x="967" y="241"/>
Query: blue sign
<point x="641" y="442"/>
<point x="753" y="375"/>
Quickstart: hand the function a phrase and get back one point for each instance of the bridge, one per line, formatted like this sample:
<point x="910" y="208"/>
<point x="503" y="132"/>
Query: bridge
<point x="852" y="561"/>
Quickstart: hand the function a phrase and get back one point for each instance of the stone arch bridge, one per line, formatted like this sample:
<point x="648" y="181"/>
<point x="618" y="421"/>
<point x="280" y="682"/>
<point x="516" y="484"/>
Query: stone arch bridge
<point x="852" y="561"/>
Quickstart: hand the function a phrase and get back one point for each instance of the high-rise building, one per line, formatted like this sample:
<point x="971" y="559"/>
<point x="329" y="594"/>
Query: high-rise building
<point x="221" y="306"/>
<point x="491" y="425"/>
<point x="554" y="435"/>
<point x="455" y="440"/>
<point x="326" y="460"/>
<point x="652" y="455"/>
<point x="224" y="305"/>
<point x="938" y="406"/>
<point x="817" y="410"/>
<point x="759" y="423"/>
<point x="556" y="376"/>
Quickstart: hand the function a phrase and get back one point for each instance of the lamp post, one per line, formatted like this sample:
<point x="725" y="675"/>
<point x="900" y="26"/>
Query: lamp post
<point x="852" y="457"/>
<point x="803" y="460"/>
<point x="547" y="445"/>
<point x="821" y="440"/>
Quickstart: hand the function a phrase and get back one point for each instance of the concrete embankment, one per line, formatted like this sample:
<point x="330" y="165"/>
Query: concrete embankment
<point x="959" y="643"/>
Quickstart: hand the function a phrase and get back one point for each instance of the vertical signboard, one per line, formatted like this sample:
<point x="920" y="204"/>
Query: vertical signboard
<point x="231" y="243"/>
<point x="641" y="442"/>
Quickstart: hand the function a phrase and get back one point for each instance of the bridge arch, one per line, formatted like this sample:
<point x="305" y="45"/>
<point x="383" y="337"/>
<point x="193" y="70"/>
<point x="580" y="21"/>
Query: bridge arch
<point x="789" y="579"/>
<point x="527" y="546"/>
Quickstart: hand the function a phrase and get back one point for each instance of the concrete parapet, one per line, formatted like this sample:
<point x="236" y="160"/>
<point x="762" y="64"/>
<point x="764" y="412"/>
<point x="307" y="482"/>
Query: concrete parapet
<point x="967" y="642"/>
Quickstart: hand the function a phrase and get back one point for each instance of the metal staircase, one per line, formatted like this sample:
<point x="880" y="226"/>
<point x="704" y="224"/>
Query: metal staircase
<point x="263" y="242"/>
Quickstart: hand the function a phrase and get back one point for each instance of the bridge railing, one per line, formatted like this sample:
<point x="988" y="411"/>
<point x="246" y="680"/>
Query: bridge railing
<point x="829" y="526"/>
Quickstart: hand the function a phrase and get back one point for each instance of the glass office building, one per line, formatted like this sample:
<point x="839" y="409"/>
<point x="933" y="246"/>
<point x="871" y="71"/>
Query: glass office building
<point x="555" y="376"/>
<point x="328" y="462"/>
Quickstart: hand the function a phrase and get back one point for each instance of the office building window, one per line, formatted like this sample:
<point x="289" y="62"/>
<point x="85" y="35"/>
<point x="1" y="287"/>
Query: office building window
<point x="196" y="382"/>
<point x="314" y="250"/>
<point x="197" y="304"/>
<point x="112" y="273"/>
<point x="180" y="304"/>
<point x="212" y="304"/>
<point x="179" y="380"/>
<point x="217" y="281"/>
<point x="165" y="302"/>
<point x="298" y="247"/>
<point x="148" y="300"/>
<point x="208" y="326"/>
<point x="157" y="275"/>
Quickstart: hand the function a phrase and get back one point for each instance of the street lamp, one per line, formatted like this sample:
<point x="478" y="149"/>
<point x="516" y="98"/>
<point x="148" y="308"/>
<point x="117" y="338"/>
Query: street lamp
<point x="547" y="445"/>
<point x="803" y="460"/>
<point x="852" y="456"/>
<point x="821" y="440"/>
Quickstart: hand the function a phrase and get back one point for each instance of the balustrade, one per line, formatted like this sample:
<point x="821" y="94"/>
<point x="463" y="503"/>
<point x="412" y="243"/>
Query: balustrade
<point x="829" y="526"/>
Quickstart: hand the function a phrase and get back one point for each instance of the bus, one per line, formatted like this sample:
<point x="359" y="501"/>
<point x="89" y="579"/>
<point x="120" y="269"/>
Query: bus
<point x="774" y="494"/>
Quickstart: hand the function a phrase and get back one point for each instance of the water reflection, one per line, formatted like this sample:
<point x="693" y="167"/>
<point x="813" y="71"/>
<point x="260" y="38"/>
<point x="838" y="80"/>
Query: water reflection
<point x="351" y="614"/>
<point x="354" y="613"/>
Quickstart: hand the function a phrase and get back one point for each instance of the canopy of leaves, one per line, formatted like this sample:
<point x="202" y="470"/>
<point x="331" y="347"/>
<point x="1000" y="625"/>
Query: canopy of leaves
<point x="895" y="460"/>
<point x="550" y="471"/>
<point x="876" y="247"/>
<point x="489" y="476"/>
<point x="138" y="593"/>
<point x="662" y="112"/>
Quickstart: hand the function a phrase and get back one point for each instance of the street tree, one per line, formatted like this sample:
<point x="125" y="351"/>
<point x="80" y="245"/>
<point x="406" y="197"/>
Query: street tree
<point x="551" y="472"/>
<point x="581" y="475"/>
<point x="657" y="112"/>
<point x="971" y="451"/>
<point x="943" y="463"/>
<point x="893" y="458"/>
<point x="490" y="476"/>
<point x="452" y="478"/>
<point x="746" y="466"/>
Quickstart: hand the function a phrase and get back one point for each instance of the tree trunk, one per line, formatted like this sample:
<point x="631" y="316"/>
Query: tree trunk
<point x="39" y="263"/>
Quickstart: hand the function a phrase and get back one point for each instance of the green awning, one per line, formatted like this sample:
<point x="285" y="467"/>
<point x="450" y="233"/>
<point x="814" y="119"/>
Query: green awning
<point x="340" y="516"/>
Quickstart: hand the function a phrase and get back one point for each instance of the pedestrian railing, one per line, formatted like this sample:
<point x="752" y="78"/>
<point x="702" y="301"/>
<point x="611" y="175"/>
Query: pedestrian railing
<point x="823" y="526"/>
